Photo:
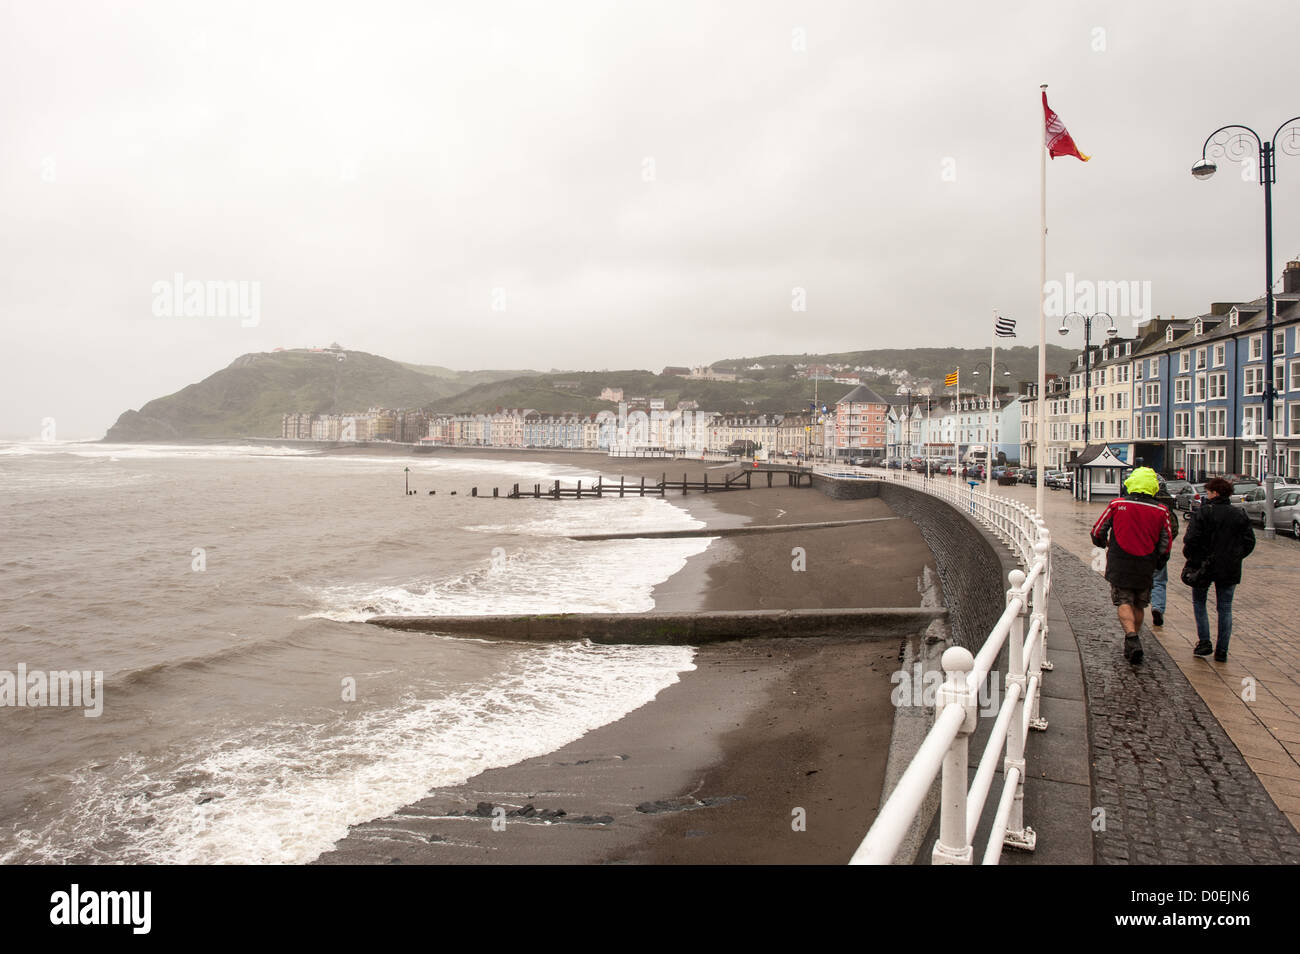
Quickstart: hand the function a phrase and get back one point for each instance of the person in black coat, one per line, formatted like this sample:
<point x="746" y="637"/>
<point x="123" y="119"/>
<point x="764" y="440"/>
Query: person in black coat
<point x="1219" y="537"/>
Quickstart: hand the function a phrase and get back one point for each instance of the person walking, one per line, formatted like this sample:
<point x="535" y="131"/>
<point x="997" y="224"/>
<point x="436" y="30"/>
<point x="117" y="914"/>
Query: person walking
<point x="1219" y="537"/>
<point x="1160" y="582"/>
<point x="1138" y="537"/>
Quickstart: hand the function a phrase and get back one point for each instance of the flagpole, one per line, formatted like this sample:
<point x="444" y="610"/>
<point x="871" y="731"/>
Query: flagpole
<point x="1041" y="454"/>
<point x="988" y="460"/>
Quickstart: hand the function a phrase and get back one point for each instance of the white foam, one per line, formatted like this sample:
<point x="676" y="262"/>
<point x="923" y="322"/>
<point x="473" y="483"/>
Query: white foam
<point x="548" y="575"/>
<point x="288" y="792"/>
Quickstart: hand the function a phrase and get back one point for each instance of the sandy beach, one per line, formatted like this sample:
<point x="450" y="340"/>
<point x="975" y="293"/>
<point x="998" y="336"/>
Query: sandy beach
<point x="769" y="751"/>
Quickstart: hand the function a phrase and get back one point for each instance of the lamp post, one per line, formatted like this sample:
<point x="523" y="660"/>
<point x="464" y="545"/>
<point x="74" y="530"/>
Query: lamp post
<point x="906" y="437"/>
<point x="988" y="459"/>
<point x="1232" y="143"/>
<point x="1111" y="332"/>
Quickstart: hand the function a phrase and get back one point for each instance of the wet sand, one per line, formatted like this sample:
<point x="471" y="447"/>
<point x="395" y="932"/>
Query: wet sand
<point x="769" y="751"/>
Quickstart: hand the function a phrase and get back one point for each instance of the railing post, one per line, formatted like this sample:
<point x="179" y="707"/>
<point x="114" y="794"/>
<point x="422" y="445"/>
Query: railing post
<point x="1019" y="835"/>
<point x="954" y="844"/>
<point x="1040" y="662"/>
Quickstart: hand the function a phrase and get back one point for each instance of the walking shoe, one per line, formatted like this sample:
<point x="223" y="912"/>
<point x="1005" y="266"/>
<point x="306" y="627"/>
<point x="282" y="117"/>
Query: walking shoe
<point x="1203" y="649"/>
<point x="1133" y="648"/>
<point x="1220" y="657"/>
<point x="1157" y="618"/>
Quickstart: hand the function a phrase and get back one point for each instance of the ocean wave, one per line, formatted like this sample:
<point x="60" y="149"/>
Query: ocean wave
<point x="285" y="793"/>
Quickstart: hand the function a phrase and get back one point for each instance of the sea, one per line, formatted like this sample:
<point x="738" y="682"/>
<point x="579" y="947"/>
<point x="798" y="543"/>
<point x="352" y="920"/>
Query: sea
<point x="249" y="713"/>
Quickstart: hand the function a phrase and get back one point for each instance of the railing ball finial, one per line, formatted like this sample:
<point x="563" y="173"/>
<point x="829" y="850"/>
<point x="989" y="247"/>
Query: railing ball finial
<point x="957" y="659"/>
<point x="1016" y="578"/>
<point x="1040" y="546"/>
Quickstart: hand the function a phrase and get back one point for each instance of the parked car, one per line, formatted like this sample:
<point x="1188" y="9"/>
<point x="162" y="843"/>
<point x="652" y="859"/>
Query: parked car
<point x="1286" y="511"/>
<point x="1029" y="476"/>
<point x="1191" y="497"/>
<point x="1240" y="488"/>
<point x="1176" y="486"/>
<point x="1252" y="504"/>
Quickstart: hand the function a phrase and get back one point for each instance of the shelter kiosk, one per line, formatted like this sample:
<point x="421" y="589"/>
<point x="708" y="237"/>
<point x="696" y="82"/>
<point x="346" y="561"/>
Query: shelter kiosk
<point x="1098" y="473"/>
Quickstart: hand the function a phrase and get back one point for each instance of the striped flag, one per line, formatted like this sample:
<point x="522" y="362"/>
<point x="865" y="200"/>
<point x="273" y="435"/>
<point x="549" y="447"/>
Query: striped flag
<point x="950" y="380"/>
<point x="1005" y="327"/>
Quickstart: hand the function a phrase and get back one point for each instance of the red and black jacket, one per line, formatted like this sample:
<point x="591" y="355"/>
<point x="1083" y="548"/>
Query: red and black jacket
<point x="1138" y="536"/>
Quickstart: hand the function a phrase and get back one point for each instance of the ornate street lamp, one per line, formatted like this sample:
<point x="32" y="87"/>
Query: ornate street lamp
<point x="1111" y="332"/>
<point x="1233" y="143"/>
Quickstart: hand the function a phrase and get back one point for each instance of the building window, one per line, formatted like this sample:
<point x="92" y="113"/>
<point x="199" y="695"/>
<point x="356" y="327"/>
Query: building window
<point x="1218" y="421"/>
<point x="1200" y="387"/>
<point x="1200" y="423"/>
<point x="1279" y="343"/>
<point x="1252" y="422"/>
<point x="1200" y="358"/>
<point x="1153" y="394"/>
<point x="1154" y="369"/>
<point x="1254" y="381"/>
<point x="1182" y="390"/>
<point x="1279" y="419"/>
<point x="1256" y="347"/>
<point x="1184" y="360"/>
<point x="1249" y="462"/>
<point x="1293" y="464"/>
<point x="1279" y="377"/>
<point x="1219" y="352"/>
<point x="1217" y="456"/>
<point x="1100" y="429"/>
<point x="1295" y="375"/>
<point x="1218" y="386"/>
<point x="1293" y="427"/>
<point x="1152" y="426"/>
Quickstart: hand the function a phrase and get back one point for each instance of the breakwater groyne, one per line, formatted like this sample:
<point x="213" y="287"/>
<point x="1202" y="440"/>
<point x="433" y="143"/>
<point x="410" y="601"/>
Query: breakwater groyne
<point x="678" y="629"/>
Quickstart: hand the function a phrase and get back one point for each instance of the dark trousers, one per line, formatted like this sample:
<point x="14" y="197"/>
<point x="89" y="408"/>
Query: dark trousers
<point x="1223" y="608"/>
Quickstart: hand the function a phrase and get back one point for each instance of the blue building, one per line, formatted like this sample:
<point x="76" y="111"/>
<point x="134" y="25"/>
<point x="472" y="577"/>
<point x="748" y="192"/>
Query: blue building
<point x="1199" y="384"/>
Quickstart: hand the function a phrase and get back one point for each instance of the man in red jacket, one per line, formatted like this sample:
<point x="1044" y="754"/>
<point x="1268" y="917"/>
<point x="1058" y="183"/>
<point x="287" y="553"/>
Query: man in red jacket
<point x="1138" y="536"/>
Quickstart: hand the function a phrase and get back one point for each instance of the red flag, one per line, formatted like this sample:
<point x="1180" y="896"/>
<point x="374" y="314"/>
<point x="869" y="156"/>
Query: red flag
<point x="1058" y="139"/>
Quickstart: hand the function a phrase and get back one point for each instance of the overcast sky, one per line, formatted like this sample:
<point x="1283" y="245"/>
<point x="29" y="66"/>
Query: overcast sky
<point x="639" y="184"/>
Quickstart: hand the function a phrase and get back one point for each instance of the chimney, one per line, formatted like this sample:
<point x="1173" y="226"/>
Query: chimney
<point x="1291" y="278"/>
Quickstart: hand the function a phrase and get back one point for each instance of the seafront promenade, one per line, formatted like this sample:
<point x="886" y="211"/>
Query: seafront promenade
<point x="1150" y="739"/>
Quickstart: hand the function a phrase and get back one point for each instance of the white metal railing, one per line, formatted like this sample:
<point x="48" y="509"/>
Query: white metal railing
<point x="945" y="749"/>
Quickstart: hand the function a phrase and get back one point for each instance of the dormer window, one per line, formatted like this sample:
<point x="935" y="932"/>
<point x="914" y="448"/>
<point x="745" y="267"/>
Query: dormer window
<point x="1169" y="334"/>
<point x="1198" y="328"/>
<point x="1234" y="318"/>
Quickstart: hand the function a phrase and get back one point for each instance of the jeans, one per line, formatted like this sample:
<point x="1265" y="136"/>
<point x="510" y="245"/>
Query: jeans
<point x="1223" y="607"/>
<point x="1158" y="585"/>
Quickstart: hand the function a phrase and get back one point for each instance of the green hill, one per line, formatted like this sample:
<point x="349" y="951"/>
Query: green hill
<point x="247" y="398"/>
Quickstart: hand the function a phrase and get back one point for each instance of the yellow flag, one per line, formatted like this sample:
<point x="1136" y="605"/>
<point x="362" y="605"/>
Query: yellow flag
<point x="950" y="380"/>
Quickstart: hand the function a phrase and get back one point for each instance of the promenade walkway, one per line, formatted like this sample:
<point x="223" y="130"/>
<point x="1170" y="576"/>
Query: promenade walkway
<point x="1152" y="733"/>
